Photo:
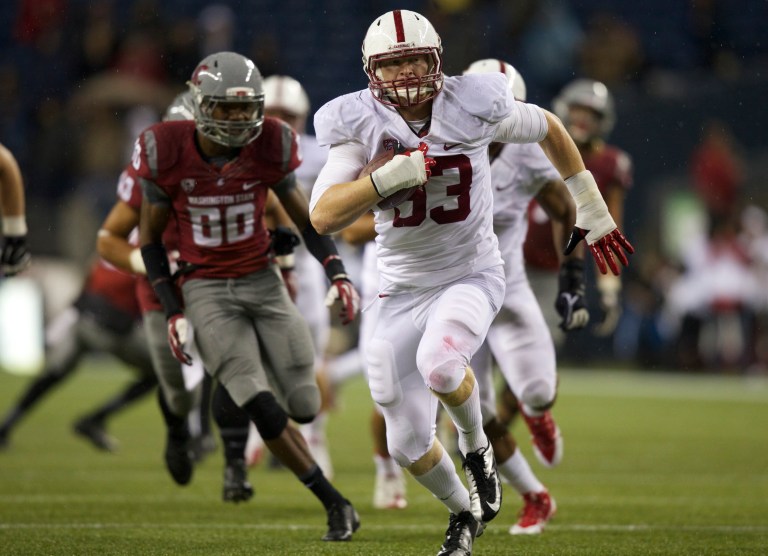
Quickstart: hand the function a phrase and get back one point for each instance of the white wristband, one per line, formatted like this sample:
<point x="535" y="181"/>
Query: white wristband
<point x="137" y="261"/>
<point x="14" y="226"/>
<point x="286" y="262"/>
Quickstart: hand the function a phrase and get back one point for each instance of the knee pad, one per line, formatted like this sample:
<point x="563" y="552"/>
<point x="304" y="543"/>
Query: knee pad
<point x="304" y="403"/>
<point x="538" y="394"/>
<point x="267" y="415"/>
<point x="225" y="411"/>
<point x="382" y="380"/>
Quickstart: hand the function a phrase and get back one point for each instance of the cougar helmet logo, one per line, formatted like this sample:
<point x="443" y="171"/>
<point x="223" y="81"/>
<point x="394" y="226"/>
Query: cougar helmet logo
<point x="196" y="76"/>
<point x="403" y="34"/>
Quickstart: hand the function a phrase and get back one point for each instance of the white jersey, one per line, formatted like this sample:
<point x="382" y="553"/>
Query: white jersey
<point x="518" y="173"/>
<point x="446" y="231"/>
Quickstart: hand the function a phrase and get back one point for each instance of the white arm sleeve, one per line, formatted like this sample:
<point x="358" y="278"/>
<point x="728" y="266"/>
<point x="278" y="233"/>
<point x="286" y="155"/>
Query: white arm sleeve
<point x="344" y="164"/>
<point x="526" y="124"/>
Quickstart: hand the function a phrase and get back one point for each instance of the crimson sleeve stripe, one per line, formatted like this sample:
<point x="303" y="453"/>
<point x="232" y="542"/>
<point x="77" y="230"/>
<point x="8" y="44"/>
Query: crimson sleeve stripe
<point x="399" y="26"/>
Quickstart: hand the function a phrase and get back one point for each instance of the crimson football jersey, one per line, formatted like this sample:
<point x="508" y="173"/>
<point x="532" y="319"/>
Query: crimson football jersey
<point x="219" y="210"/>
<point x="129" y="191"/>
<point x="611" y="167"/>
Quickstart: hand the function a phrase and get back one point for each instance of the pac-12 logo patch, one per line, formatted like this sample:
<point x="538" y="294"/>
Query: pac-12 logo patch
<point x="188" y="184"/>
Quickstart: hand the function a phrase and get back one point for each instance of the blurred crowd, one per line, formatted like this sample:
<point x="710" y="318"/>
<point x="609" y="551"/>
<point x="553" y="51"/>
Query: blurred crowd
<point x="81" y="78"/>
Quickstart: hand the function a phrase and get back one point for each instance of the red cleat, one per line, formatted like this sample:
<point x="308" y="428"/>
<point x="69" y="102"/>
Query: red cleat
<point x="547" y="441"/>
<point x="538" y="510"/>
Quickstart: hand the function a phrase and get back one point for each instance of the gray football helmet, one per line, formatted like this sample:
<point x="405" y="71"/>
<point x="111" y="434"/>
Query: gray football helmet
<point x="182" y="108"/>
<point x="590" y="94"/>
<point x="228" y="78"/>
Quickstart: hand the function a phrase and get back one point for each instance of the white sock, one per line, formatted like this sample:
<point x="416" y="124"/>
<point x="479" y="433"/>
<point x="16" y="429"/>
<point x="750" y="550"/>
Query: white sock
<point x="468" y="419"/>
<point x="519" y="474"/>
<point x="444" y="483"/>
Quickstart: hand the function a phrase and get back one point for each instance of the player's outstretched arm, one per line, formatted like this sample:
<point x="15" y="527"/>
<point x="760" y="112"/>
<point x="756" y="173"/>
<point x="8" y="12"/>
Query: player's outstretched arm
<point x="593" y="221"/>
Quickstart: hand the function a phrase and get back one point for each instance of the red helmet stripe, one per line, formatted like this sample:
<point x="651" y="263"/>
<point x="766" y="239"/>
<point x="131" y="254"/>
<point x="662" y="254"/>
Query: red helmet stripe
<point x="399" y="26"/>
<point x="503" y="67"/>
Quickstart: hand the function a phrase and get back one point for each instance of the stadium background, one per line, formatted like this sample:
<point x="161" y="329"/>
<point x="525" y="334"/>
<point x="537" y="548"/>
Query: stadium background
<point x="79" y="79"/>
<point x="656" y="462"/>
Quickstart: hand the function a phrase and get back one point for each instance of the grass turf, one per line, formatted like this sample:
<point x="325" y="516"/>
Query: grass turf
<point x="654" y="464"/>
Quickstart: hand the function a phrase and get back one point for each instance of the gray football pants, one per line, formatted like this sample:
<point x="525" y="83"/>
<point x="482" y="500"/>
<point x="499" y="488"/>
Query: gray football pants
<point x="238" y="322"/>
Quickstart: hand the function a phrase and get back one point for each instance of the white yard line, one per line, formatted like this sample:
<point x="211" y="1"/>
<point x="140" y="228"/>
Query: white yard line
<point x="621" y="528"/>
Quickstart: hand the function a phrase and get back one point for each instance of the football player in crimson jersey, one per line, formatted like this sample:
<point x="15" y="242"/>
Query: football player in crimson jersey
<point x="213" y="176"/>
<point x="441" y="273"/>
<point x="182" y="391"/>
<point x="103" y="318"/>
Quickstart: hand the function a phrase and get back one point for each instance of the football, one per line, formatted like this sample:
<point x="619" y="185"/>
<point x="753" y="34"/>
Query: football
<point x="397" y="197"/>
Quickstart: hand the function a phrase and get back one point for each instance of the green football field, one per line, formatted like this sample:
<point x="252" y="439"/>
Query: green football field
<point x="654" y="464"/>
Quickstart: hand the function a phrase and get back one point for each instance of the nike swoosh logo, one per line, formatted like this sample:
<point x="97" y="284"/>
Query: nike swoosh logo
<point x="496" y="505"/>
<point x="250" y="184"/>
<point x="448" y="147"/>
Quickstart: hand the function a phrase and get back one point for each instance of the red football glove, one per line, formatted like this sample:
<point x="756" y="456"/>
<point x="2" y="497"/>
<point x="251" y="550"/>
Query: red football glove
<point x="604" y="248"/>
<point x="342" y="290"/>
<point x="178" y="336"/>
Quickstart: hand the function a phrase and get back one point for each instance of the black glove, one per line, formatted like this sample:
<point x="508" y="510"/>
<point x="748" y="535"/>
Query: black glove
<point x="284" y="240"/>
<point x="570" y="297"/>
<point x="15" y="256"/>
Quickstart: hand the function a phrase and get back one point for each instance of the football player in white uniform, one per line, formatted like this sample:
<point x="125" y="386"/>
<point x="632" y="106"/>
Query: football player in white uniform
<point x="441" y="276"/>
<point x="519" y="339"/>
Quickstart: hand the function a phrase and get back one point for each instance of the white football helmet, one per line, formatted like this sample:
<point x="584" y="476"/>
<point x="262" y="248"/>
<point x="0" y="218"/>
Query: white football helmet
<point x="398" y="34"/>
<point x="287" y="99"/>
<point x="489" y="65"/>
<point x="589" y="94"/>
<point x="182" y="108"/>
<point x="228" y="78"/>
